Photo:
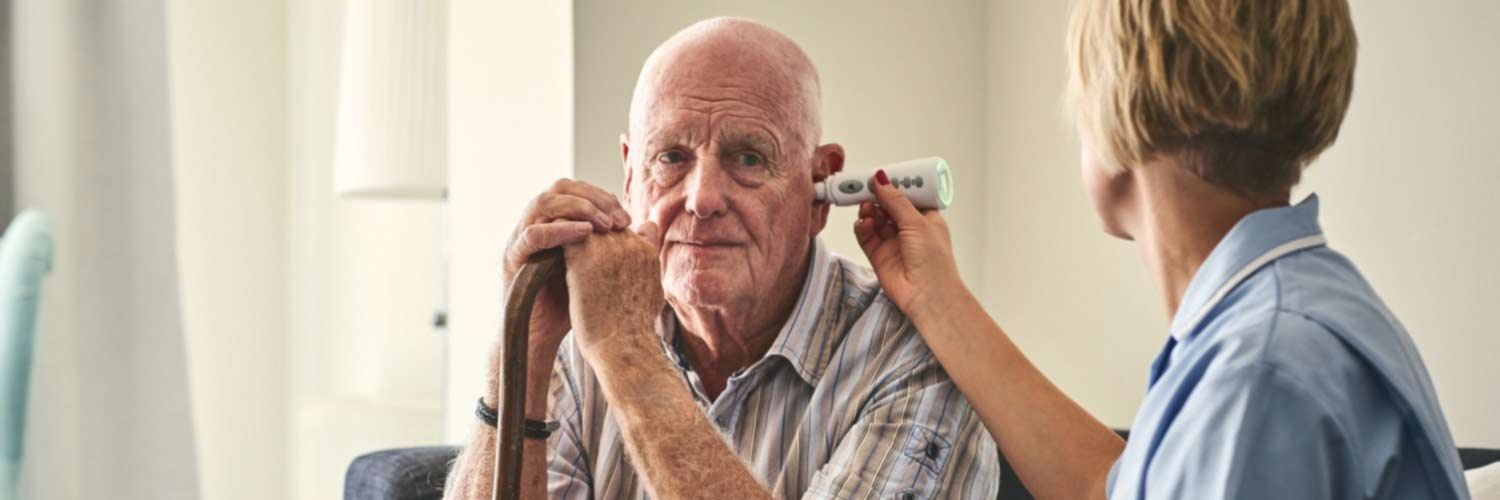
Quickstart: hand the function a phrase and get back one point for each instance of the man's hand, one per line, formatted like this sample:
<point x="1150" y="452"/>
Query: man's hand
<point x="563" y="215"/>
<point x="614" y="284"/>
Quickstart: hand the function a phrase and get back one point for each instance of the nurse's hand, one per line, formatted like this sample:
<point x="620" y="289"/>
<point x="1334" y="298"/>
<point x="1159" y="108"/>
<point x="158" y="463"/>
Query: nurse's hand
<point x="911" y="251"/>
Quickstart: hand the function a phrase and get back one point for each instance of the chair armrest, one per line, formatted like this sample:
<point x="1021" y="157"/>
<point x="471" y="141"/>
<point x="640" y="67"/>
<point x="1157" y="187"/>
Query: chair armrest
<point x="399" y="474"/>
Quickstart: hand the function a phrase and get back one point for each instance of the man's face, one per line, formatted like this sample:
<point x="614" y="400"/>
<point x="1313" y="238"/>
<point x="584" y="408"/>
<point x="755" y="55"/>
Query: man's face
<point x="727" y="172"/>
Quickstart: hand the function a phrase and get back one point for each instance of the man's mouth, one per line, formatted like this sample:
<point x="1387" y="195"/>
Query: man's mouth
<point x="708" y="242"/>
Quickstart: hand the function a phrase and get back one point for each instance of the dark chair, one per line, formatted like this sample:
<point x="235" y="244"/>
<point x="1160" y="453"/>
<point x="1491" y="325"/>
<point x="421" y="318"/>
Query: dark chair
<point x="418" y="473"/>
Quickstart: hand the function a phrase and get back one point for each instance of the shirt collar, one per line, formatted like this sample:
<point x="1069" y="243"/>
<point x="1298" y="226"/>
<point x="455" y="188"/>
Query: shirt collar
<point x="1256" y="240"/>
<point x="803" y="337"/>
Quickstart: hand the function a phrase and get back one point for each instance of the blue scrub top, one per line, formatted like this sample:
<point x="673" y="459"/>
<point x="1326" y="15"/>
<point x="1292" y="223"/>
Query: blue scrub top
<point x="1286" y="377"/>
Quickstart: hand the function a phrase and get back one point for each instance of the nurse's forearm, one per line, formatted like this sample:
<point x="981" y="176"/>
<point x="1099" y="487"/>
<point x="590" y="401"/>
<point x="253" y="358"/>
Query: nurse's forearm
<point x="1056" y="448"/>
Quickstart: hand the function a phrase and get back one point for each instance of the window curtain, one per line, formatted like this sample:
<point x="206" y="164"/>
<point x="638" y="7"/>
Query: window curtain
<point x="108" y="414"/>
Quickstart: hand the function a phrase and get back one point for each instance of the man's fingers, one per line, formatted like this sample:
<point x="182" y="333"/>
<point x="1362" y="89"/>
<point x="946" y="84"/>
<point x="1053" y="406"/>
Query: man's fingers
<point x="538" y="237"/>
<point x="550" y="207"/>
<point x="881" y="223"/>
<point x="864" y="233"/>
<point x="895" y="204"/>
<point x="887" y="228"/>
<point x="601" y="199"/>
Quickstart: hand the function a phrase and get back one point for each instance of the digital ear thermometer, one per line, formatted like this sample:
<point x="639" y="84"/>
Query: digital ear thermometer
<point x="927" y="182"/>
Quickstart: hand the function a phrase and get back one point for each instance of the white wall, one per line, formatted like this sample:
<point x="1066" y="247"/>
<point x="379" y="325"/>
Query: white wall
<point x="901" y="80"/>
<point x="227" y="68"/>
<point x="510" y="118"/>
<point x="364" y="366"/>
<point x="1406" y="193"/>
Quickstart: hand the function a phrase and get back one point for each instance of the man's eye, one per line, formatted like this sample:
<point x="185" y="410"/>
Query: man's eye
<point x="672" y="157"/>
<point x="750" y="160"/>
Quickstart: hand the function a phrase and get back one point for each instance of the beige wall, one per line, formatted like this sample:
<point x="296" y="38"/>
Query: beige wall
<point x="227" y="73"/>
<point x="1406" y="193"/>
<point x="510" y="136"/>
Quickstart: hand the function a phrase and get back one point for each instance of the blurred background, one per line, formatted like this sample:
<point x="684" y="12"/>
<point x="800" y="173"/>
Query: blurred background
<point x="276" y="225"/>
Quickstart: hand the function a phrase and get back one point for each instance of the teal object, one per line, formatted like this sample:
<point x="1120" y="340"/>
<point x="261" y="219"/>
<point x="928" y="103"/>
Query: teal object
<point x="25" y="258"/>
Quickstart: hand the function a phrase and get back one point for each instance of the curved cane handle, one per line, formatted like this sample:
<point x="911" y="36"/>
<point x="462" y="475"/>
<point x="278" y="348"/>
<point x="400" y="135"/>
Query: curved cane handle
<point x="537" y="271"/>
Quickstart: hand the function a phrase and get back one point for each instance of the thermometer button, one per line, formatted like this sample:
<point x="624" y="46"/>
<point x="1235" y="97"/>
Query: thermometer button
<point x="851" y="186"/>
<point x="918" y="182"/>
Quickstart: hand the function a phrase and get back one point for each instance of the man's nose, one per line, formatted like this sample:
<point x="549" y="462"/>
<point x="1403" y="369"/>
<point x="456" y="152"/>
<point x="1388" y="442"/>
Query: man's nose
<point x="707" y="188"/>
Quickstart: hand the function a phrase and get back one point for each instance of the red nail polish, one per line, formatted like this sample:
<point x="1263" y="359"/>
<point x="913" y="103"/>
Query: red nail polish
<point x="882" y="178"/>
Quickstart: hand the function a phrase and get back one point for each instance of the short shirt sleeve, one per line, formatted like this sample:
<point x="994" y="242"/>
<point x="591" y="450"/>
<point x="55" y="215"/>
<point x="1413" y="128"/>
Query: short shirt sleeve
<point x="1253" y="432"/>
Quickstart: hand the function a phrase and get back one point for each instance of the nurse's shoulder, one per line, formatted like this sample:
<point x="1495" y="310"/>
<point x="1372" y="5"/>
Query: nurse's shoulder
<point x="1308" y="361"/>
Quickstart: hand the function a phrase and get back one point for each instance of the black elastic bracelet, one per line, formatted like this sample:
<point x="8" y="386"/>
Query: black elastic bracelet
<point x="485" y="414"/>
<point x="532" y="429"/>
<point x="538" y="430"/>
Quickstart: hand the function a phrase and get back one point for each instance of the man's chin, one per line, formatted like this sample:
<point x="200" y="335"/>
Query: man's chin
<point x="704" y="287"/>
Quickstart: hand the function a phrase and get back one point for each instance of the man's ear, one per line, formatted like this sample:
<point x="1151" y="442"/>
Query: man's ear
<point x="828" y="159"/>
<point x="625" y="161"/>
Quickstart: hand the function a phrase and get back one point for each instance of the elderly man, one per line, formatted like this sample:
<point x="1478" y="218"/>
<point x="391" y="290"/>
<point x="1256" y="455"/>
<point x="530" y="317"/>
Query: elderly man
<point x="769" y="367"/>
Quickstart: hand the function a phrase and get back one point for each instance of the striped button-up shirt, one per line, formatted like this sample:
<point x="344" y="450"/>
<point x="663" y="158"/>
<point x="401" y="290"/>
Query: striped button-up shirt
<point x="847" y="403"/>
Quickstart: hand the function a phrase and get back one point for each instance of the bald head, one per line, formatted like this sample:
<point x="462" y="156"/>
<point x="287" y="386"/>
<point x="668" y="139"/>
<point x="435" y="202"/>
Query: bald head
<point x="733" y="53"/>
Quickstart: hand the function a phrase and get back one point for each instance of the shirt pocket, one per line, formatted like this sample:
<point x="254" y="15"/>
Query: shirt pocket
<point x="929" y="451"/>
<point x="914" y="475"/>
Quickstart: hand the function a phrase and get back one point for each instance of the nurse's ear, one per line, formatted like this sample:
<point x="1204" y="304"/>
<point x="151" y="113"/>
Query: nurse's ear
<point x="828" y="159"/>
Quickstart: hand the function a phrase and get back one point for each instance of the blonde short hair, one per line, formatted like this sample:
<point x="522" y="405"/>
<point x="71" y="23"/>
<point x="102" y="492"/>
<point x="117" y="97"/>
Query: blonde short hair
<point x="1243" y="92"/>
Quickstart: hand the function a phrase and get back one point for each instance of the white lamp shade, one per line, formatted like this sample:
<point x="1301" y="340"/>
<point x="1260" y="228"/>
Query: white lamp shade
<point x="392" y="110"/>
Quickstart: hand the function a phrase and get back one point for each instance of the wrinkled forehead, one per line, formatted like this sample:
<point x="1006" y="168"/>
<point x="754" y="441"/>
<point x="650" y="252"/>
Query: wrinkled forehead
<point x="723" y="108"/>
<point x="727" y="85"/>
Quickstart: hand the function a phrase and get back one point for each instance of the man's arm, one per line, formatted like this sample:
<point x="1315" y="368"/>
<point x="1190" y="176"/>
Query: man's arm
<point x="473" y="473"/>
<point x="674" y="447"/>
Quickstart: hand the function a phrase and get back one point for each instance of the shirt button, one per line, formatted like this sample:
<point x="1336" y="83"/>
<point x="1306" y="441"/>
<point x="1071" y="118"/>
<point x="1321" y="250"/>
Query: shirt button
<point x="933" y="451"/>
<point x="906" y="495"/>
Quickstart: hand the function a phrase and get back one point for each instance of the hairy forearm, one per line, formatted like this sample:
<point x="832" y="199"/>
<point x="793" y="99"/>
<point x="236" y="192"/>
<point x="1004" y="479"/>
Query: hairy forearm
<point x="473" y="473"/>
<point x="669" y="439"/>
<point x="1057" y="449"/>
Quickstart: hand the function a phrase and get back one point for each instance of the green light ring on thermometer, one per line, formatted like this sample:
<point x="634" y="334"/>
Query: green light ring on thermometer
<point x="945" y="183"/>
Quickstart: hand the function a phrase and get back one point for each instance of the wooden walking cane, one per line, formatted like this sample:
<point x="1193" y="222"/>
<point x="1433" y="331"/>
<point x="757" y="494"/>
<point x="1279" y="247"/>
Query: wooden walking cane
<point x="537" y="271"/>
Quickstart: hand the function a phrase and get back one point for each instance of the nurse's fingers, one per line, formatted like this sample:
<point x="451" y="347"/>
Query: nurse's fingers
<point x="895" y="204"/>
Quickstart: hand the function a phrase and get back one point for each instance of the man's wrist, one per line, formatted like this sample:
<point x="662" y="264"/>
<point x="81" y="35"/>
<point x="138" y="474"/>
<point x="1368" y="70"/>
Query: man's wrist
<point x="626" y="345"/>
<point x="539" y="365"/>
<point x="592" y="339"/>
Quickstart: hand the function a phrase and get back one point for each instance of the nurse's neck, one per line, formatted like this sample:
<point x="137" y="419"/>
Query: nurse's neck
<point x="1178" y="219"/>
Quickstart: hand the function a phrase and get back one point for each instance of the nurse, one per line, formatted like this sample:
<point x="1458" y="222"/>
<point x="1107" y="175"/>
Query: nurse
<point x="1283" y="374"/>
